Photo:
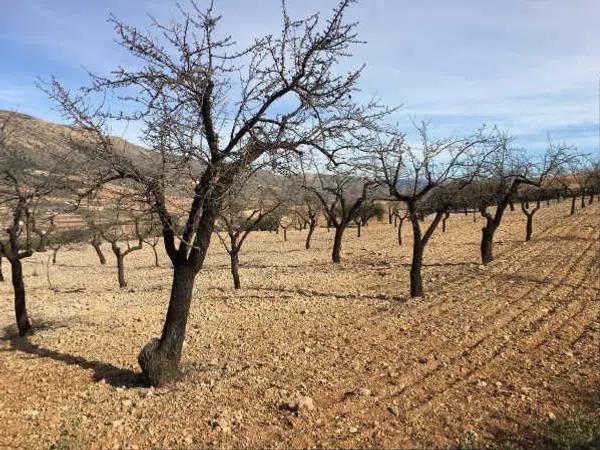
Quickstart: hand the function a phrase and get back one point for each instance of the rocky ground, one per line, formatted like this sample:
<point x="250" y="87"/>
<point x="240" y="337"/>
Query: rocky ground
<point x="308" y="354"/>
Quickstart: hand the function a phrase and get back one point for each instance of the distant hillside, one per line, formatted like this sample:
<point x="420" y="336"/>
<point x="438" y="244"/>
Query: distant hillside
<point x="40" y="139"/>
<point x="40" y="142"/>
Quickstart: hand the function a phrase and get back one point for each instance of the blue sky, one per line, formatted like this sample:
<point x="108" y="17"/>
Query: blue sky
<point x="529" y="66"/>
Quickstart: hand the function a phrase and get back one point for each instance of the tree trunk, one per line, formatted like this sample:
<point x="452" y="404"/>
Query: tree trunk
<point x="233" y="255"/>
<point x="400" y="232"/>
<point x="547" y="202"/>
<point x="582" y="200"/>
<point x="23" y="323"/>
<point x="512" y="205"/>
<point x="487" y="243"/>
<point x="41" y="247"/>
<point x="529" y="227"/>
<point x="358" y="226"/>
<point x="337" y="244"/>
<point x="390" y="218"/>
<point x="311" y="229"/>
<point x="159" y="359"/>
<point x="54" y="252"/>
<point x="285" y="234"/>
<point x="416" y="280"/>
<point x="156" y="264"/>
<point x="573" y="200"/>
<point x="1" y="273"/>
<point x="101" y="256"/>
<point x="444" y="224"/>
<point x="121" y="270"/>
<point x="591" y="198"/>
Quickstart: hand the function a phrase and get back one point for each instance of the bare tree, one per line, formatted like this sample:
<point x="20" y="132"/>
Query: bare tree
<point x="210" y="110"/>
<point x="119" y="225"/>
<point x="287" y="219"/>
<point x="238" y="218"/>
<point x="43" y="231"/>
<point x="152" y="233"/>
<point x="581" y="180"/>
<point x="309" y="211"/>
<point x="96" y="242"/>
<point x="367" y="211"/>
<point x="506" y="170"/>
<point x="412" y="173"/>
<point x="526" y="199"/>
<point x="26" y="197"/>
<point x="341" y="195"/>
<point x="399" y="217"/>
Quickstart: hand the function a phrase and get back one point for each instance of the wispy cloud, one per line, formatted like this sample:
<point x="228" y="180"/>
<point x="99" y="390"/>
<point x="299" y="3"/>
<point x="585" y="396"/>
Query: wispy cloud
<point x="530" y="66"/>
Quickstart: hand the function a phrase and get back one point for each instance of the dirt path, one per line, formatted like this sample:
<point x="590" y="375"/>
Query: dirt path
<point x="494" y="350"/>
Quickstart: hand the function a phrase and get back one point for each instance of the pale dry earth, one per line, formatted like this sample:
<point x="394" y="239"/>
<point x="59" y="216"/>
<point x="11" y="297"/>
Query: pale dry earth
<point x="495" y="350"/>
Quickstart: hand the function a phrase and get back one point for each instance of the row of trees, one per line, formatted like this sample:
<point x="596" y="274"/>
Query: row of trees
<point x="214" y="113"/>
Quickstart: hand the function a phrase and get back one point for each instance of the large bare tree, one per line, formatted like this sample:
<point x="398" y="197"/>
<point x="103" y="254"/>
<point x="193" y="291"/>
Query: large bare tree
<point x="210" y="108"/>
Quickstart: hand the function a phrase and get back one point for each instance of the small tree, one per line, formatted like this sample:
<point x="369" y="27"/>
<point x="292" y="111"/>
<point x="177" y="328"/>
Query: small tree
<point x="43" y="231"/>
<point x="400" y="215"/>
<point x="341" y="195"/>
<point x="505" y="171"/>
<point x="287" y="219"/>
<point x="413" y="173"/>
<point x="27" y="196"/>
<point x="581" y="180"/>
<point x="96" y="242"/>
<point x="118" y="226"/>
<point x="238" y="218"/>
<point x="152" y="233"/>
<point x="527" y="198"/>
<point x="309" y="211"/>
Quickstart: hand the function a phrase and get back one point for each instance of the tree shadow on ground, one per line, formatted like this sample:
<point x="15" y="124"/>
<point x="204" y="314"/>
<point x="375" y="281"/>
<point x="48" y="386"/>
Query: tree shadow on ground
<point x="113" y="375"/>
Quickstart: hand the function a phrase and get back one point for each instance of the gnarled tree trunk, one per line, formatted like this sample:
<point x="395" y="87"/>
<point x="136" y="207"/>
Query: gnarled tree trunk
<point x="336" y="254"/>
<point x="419" y="242"/>
<point x="101" y="256"/>
<point x="400" y="231"/>
<point x="529" y="227"/>
<point x="156" y="264"/>
<point x="311" y="228"/>
<point x="54" y="253"/>
<point x="23" y="323"/>
<point x="235" y="262"/>
<point x="416" y="279"/>
<point x="121" y="270"/>
<point x="487" y="242"/>
<point x="159" y="359"/>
